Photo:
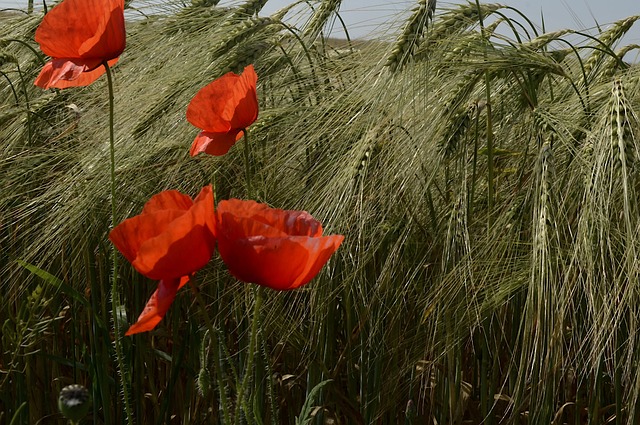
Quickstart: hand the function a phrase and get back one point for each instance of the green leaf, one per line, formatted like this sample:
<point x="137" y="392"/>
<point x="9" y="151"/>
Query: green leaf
<point x="307" y="408"/>
<point x="54" y="281"/>
<point x="16" y="415"/>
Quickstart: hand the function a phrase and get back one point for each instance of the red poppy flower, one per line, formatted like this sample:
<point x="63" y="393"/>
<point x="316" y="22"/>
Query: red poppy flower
<point x="271" y="247"/>
<point x="172" y="238"/>
<point x="223" y="109"/>
<point x="80" y="35"/>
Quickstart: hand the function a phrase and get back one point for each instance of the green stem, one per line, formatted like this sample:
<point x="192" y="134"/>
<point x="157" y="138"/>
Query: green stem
<point x="26" y="103"/>
<point x="271" y="392"/>
<point x="252" y="348"/>
<point x="247" y="163"/>
<point x="471" y="197"/>
<point x="484" y="371"/>
<point x="487" y="85"/>
<point x="115" y="296"/>
<point x="452" y="368"/>
<point x="216" y="355"/>
<point x="253" y="337"/>
<point x="28" y="46"/>
<point x="13" y="90"/>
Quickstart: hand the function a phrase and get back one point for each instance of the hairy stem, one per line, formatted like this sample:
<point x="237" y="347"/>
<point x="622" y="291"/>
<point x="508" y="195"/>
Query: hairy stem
<point x="216" y="355"/>
<point x="115" y="295"/>
<point x="252" y="348"/>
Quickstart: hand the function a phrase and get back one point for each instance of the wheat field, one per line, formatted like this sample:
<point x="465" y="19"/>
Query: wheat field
<point x="484" y="173"/>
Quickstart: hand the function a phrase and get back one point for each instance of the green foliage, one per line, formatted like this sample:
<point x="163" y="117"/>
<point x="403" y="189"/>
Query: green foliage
<point x="54" y="281"/>
<point x="306" y="417"/>
<point x="449" y="301"/>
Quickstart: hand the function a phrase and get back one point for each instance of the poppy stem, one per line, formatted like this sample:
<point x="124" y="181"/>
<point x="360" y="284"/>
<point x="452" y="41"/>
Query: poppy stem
<point x="26" y="104"/>
<point x="216" y="354"/>
<point x="257" y="306"/>
<point x="247" y="163"/>
<point x="115" y="295"/>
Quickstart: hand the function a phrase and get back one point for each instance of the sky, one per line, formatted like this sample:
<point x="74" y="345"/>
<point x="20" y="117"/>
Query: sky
<point x="372" y="18"/>
<point x="366" y="17"/>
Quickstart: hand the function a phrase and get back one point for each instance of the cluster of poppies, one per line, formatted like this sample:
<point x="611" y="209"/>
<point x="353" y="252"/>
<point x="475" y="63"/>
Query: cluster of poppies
<point x="175" y="235"/>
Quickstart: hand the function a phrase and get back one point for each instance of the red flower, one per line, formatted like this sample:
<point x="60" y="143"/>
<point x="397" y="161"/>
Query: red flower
<point x="80" y="35"/>
<point x="172" y="238"/>
<point x="223" y="109"/>
<point x="271" y="247"/>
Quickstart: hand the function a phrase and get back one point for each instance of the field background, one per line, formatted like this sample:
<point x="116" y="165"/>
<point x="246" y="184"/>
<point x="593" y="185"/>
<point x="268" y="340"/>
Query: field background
<point x="485" y="175"/>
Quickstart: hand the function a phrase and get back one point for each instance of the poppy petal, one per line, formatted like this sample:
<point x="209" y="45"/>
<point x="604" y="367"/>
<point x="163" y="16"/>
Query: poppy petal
<point x="259" y="260"/>
<point x="289" y="222"/>
<point x="229" y="102"/>
<point x="167" y="200"/>
<point x="206" y="196"/>
<point x="110" y="38"/>
<point x="158" y="305"/>
<point x="169" y="243"/>
<point x="235" y="227"/>
<point x="207" y="108"/>
<point x="83" y="28"/>
<point x="129" y="235"/>
<point x="216" y="144"/>
<point x="276" y="248"/>
<point x="184" y="245"/>
<point x="278" y="263"/>
<point x="245" y="99"/>
<point x="293" y="223"/>
<point x="61" y="73"/>
<point x="320" y="249"/>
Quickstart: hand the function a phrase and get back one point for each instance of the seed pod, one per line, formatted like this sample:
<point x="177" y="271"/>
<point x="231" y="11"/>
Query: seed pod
<point x="74" y="402"/>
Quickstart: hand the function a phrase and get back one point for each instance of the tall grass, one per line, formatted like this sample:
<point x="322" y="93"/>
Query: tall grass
<point x="449" y="301"/>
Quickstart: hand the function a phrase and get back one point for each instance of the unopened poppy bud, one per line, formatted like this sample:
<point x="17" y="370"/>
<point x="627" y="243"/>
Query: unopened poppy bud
<point x="74" y="402"/>
<point x="203" y="382"/>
